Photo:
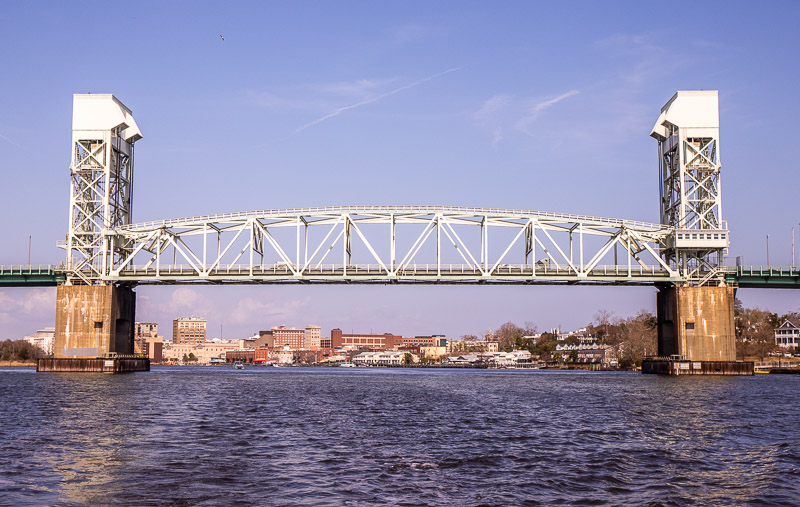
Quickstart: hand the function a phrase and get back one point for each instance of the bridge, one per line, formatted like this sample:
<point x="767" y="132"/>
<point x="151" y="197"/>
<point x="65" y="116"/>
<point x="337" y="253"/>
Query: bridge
<point x="741" y="277"/>
<point x="108" y="254"/>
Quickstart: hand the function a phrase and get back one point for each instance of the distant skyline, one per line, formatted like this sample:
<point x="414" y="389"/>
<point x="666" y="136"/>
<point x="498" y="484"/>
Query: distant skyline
<point x="512" y="105"/>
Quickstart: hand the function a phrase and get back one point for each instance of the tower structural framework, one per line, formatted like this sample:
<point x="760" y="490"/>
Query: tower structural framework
<point x="690" y="185"/>
<point x="695" y="318"/>
<point x="101" y="178"/>
<point x="94" y="319"/>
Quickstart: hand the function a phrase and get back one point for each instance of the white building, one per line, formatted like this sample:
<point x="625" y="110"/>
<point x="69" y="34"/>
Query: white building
<point x="513" y="358"/>
<point x="787" y="335"/>
<point x="44" y="339"/>
<point x="384" y="358"/>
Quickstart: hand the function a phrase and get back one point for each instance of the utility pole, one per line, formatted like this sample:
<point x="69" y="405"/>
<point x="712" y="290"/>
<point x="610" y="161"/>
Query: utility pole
<point x="768" y="264"/>
<point x="792" y="246"/>
<point x="29" y="247"/>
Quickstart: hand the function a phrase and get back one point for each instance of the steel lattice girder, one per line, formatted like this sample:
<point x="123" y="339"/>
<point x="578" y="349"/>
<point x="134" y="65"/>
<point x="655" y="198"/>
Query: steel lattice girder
<point x="390" y="244"/>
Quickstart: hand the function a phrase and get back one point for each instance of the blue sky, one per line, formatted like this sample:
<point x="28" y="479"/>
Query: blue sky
<point x="495" y="104"/>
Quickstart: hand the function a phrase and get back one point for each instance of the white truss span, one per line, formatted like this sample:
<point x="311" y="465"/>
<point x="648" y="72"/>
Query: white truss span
<point x="390" y="244"/>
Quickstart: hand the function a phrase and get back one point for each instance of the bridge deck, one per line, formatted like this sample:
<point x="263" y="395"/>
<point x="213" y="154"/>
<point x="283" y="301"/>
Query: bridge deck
<point x="376" y="274"/>
<point x="764" y="277"/>
<point x="746" y="277"/>
<point x="31" y="276"/>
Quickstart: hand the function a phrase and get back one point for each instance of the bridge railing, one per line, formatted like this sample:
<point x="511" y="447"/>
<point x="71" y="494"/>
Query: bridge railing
<point x="764" y="270"/>
<point x="395" y="209"/>
<point x="33" y="269"/>
<point x="285" y="270"/>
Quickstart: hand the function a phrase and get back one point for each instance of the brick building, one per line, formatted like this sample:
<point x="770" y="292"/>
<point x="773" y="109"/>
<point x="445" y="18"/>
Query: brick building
<point x="294" y="338"/>
<point x="365" y="341"/>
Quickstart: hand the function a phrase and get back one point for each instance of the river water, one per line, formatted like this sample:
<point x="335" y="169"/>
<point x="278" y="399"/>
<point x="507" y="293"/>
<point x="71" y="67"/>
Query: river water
<point x="356" y="436"/>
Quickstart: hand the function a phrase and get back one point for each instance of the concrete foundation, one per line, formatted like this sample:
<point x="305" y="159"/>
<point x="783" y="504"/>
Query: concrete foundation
<point x="115" y="365"/>
<point x="696" y="334"/>
<point x="675" y="367"/>
<point x="94" y="321"/>
<point x="696" y="323"/>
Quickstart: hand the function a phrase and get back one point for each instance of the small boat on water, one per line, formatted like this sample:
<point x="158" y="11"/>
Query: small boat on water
<point x="237" y="365"/>
<point x="347" y="364"/>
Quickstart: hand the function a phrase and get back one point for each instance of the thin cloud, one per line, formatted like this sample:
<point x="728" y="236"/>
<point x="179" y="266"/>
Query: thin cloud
<point x="371" y="100"/>
<point x="487" y="116"/>
<point x="492" y="106"/>
<point x="12" y="141"/>
<point x="540" y="107"/>
<point x="358" y="88"/>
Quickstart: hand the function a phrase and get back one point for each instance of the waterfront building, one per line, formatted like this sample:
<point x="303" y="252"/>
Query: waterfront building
<point x="154" y="348"/>
<point x="437" y="340"/>
<point x="462" y="346"/>
<point x="313" y="337"/>
<point x="365" y="341"/>
<point x="590" y="352"/>
<point x="513" y="358"/>
<point x="285" y="355"/>
<point x="141" y="332"/>
<point x="188" y="330"/>
<point x="44" y="339"/>
<point x="293" y="338"/>
<point x="265" y="339"/>
<point x="465" y="359"/>
<point x="432" y="353"/>
<point x="243" y="355"/>
<point x="325" y="343"/>
<point x="787" y="335"/>
<point x="385" y="358"/>
<point x="202" y="352"/>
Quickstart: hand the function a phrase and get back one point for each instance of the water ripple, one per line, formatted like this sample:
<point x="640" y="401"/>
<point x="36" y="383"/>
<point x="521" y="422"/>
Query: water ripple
<point x="296" y="436"/>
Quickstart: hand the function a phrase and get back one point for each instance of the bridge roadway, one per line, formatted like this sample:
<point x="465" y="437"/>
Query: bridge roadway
<point x="746" y="277"/>
<point x="411" y="274"/>
<point x="31" y="276"/>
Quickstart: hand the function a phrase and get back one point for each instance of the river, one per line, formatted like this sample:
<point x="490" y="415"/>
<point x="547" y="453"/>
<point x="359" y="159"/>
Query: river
<point x="361" y="436"/>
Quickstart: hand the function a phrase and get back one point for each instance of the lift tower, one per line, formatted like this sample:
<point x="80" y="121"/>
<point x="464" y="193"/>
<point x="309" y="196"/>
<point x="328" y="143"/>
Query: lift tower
<point x="695" y="317"/>
<point x="94" y="319"/>
<point x="101" y="179"/>
<point x="690" y="185"/>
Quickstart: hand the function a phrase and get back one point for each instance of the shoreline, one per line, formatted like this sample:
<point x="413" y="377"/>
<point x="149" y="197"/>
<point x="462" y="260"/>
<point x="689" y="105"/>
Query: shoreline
<point x="17" y="364"/>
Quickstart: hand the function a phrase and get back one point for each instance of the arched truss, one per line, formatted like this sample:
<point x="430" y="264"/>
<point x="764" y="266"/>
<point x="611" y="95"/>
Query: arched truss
<point x="390" y="244"/>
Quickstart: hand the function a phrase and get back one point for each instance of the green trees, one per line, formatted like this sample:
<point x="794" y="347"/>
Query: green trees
<point x="19" y="350"/>
<point x="755" y="331"/>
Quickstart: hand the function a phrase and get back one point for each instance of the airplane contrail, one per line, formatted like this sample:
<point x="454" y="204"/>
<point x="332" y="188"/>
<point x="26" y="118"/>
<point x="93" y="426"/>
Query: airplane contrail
<point x="12" y="141"/>
<point x="373" y="99"/>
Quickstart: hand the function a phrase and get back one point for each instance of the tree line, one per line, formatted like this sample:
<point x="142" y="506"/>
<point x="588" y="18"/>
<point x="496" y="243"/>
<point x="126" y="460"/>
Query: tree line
<point x="19" y="350"/>
<point x="631" y="339"/>
<point x="636" y="337"/>
<point x="755" y="331"/>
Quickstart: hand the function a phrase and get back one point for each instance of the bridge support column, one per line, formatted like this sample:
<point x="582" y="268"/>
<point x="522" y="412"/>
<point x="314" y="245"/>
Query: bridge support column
<point x="94" y="322"/>
<point x="695" y="326"/>
<point x="696" y="323"/>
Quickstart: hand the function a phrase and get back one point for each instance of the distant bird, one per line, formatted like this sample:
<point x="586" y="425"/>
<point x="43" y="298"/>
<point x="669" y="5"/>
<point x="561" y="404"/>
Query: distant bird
<point x="223" y="38"/>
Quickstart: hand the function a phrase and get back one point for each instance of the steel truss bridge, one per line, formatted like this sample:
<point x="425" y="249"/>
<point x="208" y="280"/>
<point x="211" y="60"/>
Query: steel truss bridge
<point x="389" y="244"/>
<point x="395" y="244"/>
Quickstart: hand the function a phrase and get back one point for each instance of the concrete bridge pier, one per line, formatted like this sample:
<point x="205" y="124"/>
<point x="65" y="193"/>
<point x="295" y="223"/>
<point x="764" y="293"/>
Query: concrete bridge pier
<point x="696" y="332"/>
<point x="95" y="330"/>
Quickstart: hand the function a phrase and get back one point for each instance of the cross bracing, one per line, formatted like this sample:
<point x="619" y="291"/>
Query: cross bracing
<point x="390" y="244"/>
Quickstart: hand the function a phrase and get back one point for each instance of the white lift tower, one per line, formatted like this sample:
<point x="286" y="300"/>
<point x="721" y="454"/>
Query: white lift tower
<point x="687" y="132"/>
<point x="101" y="173"/>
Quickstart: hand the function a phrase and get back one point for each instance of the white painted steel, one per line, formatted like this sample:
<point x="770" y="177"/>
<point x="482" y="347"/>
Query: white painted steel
<point x="101" y="172"/>
<point x="254" y="247"/>
<point x="690" y="185"/>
